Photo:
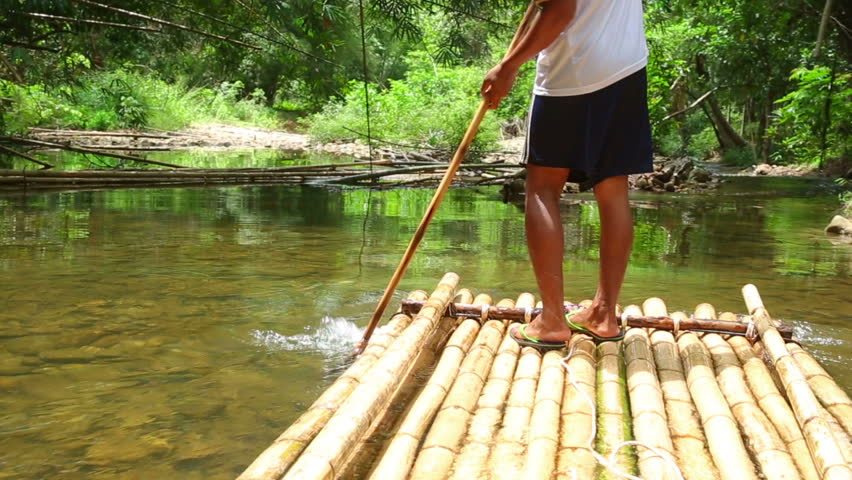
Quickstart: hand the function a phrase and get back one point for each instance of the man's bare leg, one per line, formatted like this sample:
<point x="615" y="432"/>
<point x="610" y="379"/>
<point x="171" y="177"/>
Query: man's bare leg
<point x="616" y="243"/>
<point x="546" y="242"/>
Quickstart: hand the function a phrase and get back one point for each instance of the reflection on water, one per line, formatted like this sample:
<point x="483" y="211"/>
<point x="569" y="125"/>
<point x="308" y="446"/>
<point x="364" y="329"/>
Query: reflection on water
<point x="173" y="334"/>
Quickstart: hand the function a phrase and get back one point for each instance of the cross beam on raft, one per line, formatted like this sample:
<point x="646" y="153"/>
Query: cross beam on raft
<point x="662" y="323"/>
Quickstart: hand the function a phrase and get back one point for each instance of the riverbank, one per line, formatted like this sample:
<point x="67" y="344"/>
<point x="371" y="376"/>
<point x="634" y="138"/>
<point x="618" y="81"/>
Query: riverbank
<point x="212" y="136"/>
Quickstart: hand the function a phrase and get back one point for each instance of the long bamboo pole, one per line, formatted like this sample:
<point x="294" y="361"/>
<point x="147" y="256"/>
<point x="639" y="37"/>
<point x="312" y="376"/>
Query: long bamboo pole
<point x="826" y="452"/>
<point x="352" y="421"/>
<point x="437" y="198"/>
<point x="687" y="435"/>
<point x="399" y="456"/>
<point x="278" y="457"/>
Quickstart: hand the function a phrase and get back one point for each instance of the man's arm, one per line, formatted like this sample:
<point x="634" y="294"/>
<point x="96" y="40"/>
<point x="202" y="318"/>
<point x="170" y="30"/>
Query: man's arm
<point x="554" y="16"/>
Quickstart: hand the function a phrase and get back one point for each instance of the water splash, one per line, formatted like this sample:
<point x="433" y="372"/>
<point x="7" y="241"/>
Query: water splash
<point x="332" y="337"/>
<point x="810" y="334"/>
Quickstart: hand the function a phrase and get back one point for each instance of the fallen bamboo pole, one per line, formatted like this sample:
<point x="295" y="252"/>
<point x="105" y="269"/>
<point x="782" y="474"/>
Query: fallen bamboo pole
<point x="829" y="394"/>
<point x="723" y="434"/>
<point x="827" y="455"/>
<point x="279" y="456"/>
<point x="762" y="439"/>
<point x="473" y="458"/>
<point x="650" y="423"/>
<point x="575" y="460"/>
<point x="688" y="437"/>
<point x="397" y="459"/>
<point x="448" y="430"/>
<point x="658" y="322"/>
<point x="71" y="148"/>
<point x="774" y="405"/>
<point x="352" y="421"/>
<point x="91" y="133"/>
<point x="23" y="155"/>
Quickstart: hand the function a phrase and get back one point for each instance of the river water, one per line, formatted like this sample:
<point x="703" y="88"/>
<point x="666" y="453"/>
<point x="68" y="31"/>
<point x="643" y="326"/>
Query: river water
<point x="174" y="333"/>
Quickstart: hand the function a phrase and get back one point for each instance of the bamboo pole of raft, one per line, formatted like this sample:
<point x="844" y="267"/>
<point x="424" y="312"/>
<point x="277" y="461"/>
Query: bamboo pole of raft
<point x="473" y="458"/>
<point x="438" y="197"/>
<point x="279" y="456"/>
<point x="544" y="423"/>
<point x="724" y="439"/>
<point x="829" y="394"/>
<point x="688" y="437"/>
<point x="826" y="453"/>
<point x="506" y="461"/>
<point x="397" y="459"/>
<point x="723" y="434"/>
<point x="575" y="460"/>
<point x="840" y="435"/>
<point x="763" y="440"/>
<point x="447" y="431"/>
<point x="352" y="421"/>
<point x="614" y="420"/>
<point x="364" y="458"/>
<point x="773" y="405"/>
<point x="650" y="423"/>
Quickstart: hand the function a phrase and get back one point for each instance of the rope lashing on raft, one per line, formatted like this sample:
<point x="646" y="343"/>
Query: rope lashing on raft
<point x="611" y="463"/>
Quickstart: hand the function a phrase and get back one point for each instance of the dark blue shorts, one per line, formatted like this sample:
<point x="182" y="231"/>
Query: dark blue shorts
<point x="598" y="135"/>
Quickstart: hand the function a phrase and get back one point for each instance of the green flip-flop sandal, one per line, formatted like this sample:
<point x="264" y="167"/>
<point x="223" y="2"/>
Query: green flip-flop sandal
<point x="527" y="341"/>
<point x="586" y="331"/>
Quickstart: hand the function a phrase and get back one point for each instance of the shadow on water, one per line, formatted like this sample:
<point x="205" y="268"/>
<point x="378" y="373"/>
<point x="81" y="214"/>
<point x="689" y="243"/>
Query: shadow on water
<point x="177" y="332"/>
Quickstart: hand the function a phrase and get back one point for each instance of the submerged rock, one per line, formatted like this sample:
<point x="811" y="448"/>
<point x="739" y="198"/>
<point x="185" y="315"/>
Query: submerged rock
<point x="840" y="226"/>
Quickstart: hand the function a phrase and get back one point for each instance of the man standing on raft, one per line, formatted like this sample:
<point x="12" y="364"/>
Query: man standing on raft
<point x="589" y="125"/>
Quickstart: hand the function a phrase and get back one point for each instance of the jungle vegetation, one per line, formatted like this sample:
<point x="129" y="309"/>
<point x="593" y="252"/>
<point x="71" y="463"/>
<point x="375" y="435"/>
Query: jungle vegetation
<point x="751" y="80"/>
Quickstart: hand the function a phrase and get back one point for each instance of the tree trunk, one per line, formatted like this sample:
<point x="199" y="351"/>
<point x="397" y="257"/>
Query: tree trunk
<point x="823" y="26"/>
<point x="764" y="142"/>
<point x="727" y="135"/>
<point x="11" y="68"/>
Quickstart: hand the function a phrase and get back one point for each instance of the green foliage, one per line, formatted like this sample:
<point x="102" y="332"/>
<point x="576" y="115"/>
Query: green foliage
<point x="432" y="105"/>
<point x="741" y="157"/>
<point x="845" y="196"/>
<point x="123" y="99"/>
<point x="801" y="117"/>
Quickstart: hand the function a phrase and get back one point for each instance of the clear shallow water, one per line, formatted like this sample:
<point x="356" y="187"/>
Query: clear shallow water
<point x="173" y="334"/>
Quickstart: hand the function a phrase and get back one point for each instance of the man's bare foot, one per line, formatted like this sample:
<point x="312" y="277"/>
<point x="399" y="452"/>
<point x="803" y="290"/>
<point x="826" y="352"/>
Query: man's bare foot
<point x="548" y="328"/>
<point x="599" y="320"/>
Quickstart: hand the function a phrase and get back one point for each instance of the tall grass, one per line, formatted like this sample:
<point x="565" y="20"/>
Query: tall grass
<point x="124" y="99"/>
<point x="432" y="106"/>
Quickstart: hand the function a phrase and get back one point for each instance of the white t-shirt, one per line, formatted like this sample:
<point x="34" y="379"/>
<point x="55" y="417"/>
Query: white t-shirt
<point x="604" y="43"/>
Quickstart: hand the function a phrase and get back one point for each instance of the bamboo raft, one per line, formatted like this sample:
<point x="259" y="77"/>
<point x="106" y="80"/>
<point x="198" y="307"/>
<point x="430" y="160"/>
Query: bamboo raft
<point x="442" y="392"/>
